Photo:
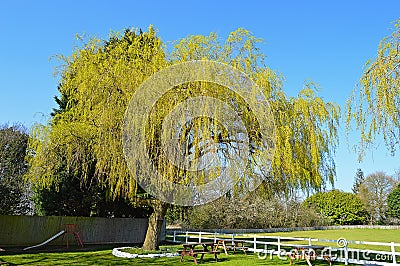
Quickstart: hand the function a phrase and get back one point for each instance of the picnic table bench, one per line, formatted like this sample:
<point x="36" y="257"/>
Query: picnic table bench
<point x="309" y="253"/>
<point x="207" y="248"/>
<point x="229" y="244"/>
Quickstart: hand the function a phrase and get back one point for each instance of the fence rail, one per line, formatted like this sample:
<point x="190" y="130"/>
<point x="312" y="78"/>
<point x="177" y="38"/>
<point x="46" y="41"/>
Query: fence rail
<point x="281" y="246"/>
<point x="287" y="229"/>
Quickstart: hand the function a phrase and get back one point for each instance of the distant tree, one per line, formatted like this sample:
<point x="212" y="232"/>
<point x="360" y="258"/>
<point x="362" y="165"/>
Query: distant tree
<point x="341" y="208"/>
<point x="254" y="212"/>
<point x="393" y="202"/>
<point x="359" y="178"/>
<point x="374" y="192"/>
<point x="374" y="108"/>
<point x="13" y="190"/>
<point x="397" y="176"/>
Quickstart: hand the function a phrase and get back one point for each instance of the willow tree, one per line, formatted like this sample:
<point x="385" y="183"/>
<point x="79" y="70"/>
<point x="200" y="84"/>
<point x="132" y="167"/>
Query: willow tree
<point x="99" y="80"/>
<point x="374" y="106"/>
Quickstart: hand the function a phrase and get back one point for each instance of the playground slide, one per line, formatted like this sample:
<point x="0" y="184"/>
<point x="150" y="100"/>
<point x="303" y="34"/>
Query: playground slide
<point x="47" y="241"/>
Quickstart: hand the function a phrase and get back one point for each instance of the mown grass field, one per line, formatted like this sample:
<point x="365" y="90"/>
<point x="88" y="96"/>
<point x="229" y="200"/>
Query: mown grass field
<point x="372" y="235"/>
<point x="105" y="257"/>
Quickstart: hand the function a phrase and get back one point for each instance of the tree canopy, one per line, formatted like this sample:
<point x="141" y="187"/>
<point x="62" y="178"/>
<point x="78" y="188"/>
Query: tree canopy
<point x="374" y="105"/>
<point x="358" y="179"/>
<point x="14" y="193"/>
<point x="393" y="202"/>
<point x="373" y="192"/>
<point x="341" y="208"/>
<point x="99" y="79"/>
<point x="97" y="82"/>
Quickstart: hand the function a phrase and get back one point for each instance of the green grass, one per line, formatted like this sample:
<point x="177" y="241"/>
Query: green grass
<point x="105" y="257"/>
<point x="372" y="235"/>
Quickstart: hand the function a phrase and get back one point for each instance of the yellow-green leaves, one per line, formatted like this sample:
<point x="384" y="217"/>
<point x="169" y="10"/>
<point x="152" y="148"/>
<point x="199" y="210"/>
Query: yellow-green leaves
<point x="374" y="107"/>
<point x="84" y="138"/>
<point x="306" y="140"/>
<point x="99" y="79"/>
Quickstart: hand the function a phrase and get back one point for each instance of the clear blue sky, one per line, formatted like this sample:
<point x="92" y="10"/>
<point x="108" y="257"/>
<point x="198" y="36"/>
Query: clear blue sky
<point x="325" y="41"/>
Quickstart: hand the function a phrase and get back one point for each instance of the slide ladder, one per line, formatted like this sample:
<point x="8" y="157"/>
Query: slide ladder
<point x="73" y="229"/>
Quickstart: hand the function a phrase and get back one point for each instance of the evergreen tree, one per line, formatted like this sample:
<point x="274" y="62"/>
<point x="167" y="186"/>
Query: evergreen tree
<point x="358" y="180"/>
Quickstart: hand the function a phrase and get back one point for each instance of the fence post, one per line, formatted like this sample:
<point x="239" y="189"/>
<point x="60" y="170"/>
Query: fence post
<point x="255" y="243"/>
<point x="187" y="236"/>
<point x="393" y="252"/>
<point x="199" y="237"/>
<point x="174" y="236"/>
<point x="233" y="239"/>
<point x="279" y="244"/>
<point x="215" y="237"/>
<point x="346" y="255"/>
<point x="310" y="242"/>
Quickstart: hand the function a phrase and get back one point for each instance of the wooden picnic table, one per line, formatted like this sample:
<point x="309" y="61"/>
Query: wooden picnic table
<point x="234" y="245"/>
<point x="308" y="253"/>
<point x="189" y="249"/>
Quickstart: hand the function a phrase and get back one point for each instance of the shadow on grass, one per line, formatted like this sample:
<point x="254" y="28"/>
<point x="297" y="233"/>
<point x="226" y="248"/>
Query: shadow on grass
<point x="105" y="257"/>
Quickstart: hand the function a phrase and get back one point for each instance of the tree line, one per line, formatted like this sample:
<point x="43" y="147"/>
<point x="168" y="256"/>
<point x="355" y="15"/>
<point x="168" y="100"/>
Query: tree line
<point x="374" y="201"/>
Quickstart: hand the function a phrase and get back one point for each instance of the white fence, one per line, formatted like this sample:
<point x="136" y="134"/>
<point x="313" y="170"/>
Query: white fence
<point x="337" y="249"/>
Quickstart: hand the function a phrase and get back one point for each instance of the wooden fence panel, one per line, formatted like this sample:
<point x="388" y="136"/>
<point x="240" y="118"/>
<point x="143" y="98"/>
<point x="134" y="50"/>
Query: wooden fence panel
<point x="31" y="230"/>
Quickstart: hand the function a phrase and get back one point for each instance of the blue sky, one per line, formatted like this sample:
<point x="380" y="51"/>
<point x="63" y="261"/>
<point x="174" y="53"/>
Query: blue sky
<point x="327" y="42"/>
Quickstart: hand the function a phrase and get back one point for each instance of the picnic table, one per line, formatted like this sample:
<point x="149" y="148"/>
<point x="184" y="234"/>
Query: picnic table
<point x="228" y="244"/>
<point x="309" y="253"/>
<point x="189" y="249"/>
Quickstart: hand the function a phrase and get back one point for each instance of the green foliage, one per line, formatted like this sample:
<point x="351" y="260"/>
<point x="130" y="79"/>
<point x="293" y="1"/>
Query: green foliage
<point x="83" y="139"/>
<point x="359" y="178"/>
<point x="99" y="79"/>
<point x="373" y="192"/>
<point x="306" y="140"/>
<point x="70" y="198"/>
<point x="306" y="126"/>
<point x="375" y="107"/>
<point x="254" y="212"/>
<point x="393" y="202"/>
<point x="14" y="192"/>
<point x="177" y="215"/>
<point x="341" y="208"/>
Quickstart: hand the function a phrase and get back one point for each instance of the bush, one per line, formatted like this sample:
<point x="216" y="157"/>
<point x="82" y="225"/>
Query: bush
<point x="393" y="203"/>
<point x="341" y="208"/>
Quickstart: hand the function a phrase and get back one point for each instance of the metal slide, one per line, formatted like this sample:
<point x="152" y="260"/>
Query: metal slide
<point x="47" y="241"/>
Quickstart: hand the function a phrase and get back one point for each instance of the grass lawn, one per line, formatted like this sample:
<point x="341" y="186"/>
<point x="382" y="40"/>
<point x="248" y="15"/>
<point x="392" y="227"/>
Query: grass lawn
<point x="104" y="257"/>
<point x="372" y="235"/>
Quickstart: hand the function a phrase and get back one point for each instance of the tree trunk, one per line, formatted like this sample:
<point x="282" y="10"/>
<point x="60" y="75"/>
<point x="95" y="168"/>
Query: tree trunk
<point x="155" y="225"/>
